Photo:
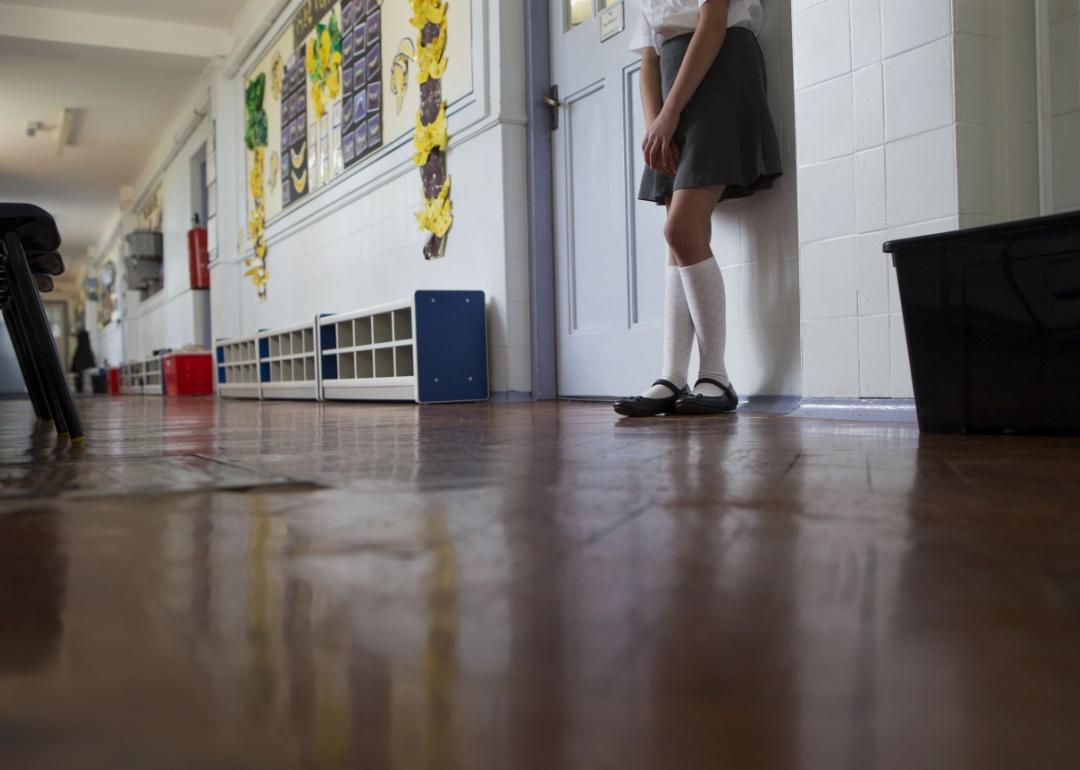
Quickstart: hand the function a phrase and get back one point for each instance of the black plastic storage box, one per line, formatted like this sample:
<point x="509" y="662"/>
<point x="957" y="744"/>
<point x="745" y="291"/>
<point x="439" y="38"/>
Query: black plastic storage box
<point x="992" y="317"/>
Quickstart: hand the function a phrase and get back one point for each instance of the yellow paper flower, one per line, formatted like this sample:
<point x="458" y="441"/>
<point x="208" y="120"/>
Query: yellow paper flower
<point x="436" y="216"/>
<point x="324" y="49"/>
<point x="431" y="136"/>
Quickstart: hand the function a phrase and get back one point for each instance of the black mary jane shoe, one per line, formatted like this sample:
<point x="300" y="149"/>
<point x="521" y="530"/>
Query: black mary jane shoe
<point x="640" y="406"/>
<point x="697" y="404"/>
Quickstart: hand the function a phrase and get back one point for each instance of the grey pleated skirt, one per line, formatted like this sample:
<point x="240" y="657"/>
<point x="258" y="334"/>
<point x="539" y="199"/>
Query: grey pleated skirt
<point x="726" y="133"/>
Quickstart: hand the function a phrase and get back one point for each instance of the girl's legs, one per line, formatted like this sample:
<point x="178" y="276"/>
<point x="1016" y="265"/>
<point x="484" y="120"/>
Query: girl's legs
<point x="688" y="231"/>
<point x="678" y="331"/>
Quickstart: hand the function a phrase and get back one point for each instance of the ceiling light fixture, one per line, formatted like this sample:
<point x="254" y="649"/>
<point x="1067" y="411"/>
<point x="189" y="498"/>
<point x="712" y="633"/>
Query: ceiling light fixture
<point x="64" y="129"/>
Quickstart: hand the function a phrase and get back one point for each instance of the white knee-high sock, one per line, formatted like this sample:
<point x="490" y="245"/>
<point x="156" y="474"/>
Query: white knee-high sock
<point x="678" y="335"/>
<point x="704" y="286"/>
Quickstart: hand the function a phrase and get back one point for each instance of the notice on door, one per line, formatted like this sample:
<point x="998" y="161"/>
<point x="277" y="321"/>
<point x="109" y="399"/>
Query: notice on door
<point x="612" y="21"/>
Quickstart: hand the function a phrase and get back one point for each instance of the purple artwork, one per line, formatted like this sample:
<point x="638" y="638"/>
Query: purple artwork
<point x="347" y="46"/>
<point x="349" y="148"/>
<point x="360" y="107"/>
<point x="374" y="94"/>
<point x="373" y="61"/>
<point x="373" y="27"/>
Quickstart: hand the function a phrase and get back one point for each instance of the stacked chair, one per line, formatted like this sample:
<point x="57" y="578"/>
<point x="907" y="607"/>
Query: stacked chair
<point x="28" y="261"/>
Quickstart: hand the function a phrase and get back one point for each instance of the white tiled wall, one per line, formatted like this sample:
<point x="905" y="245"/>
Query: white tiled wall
<point x="996" y="112"/>
<point x="756" y="243"/>
<point x="1064" y="56"/>
<point x="876" y="128"/>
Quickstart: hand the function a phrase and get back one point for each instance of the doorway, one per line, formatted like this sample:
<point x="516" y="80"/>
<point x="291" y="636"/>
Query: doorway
<point x="56" y="313"/>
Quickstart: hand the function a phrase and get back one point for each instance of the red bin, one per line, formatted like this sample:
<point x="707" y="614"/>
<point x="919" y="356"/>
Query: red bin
<point x="114" y="381"/>
<point x="189" y="374"/>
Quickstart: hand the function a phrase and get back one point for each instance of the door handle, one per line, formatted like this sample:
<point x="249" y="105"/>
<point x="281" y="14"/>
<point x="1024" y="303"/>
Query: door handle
<point x="551" y="99"/>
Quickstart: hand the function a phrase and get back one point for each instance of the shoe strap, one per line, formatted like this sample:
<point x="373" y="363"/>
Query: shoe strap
<point x="726" y="388"/>
<point x="669" y="385"/>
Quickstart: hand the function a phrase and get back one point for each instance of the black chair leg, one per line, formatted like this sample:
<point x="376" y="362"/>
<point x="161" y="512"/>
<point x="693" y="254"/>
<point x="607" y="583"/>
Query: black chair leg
<point x="26" y="366"/>
<point x="24" y="291"/>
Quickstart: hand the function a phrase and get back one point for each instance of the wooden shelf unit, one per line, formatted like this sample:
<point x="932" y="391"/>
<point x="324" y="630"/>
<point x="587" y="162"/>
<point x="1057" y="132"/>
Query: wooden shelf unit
<point x="237" y="363"/>
<point x="153" y="383"/>
<point x="288" y="361"/>
<point x="131" y="378"/>
<point x="430" y="348"/>
<point x="369" y="354"/>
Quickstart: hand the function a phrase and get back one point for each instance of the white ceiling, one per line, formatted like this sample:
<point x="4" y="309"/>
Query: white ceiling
<point x="125" y="100"/>
<point x="210" y="13"/>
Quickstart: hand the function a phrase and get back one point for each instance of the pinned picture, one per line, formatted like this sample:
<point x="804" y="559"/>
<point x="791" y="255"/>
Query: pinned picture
<point x="361" y="37"/>
<point x="399" y="71"/>
<point x="349" y="147"/>
<point x="374" y="25"/>
<point x="373" y="63"/>
<point x="361" y="142"/>
<point x="374" y="95"/>
<point x="346" y="78"/>
<point x="348" y="15"/>
<point x="360" y="107"/>
<point x="373" y="6"/>
<point x="347" y="46"/>
<point x="374" y="132"/>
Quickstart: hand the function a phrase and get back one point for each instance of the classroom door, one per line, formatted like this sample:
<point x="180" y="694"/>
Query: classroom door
<point x="609" y="247"/>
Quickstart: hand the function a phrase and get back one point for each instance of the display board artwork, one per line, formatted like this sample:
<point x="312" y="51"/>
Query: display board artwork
<point x="325" y="105"/>
<point x="255" y="139"/>
<point x="362" y="122"/>
<point x="431" y="137"/>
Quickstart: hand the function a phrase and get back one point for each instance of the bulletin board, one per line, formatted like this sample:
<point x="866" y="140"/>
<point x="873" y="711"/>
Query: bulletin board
<point x="371" y="102"/>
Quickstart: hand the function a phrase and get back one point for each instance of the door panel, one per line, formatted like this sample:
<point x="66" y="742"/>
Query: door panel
<point x="647" y="246"/>
<point x="592" y="263"/>
<point x="609" y="270"/>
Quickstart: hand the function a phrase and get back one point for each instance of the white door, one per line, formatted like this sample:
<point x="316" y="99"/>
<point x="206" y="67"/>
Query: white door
<point x="609" y="247"/>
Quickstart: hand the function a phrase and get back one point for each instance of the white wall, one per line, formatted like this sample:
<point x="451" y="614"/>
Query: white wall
<point x="876" y="125"/>
<point x="1064" y="55"/>
<point x="996" y="110"/>
<point x="171" y="318"/>
<point x="755" y="241"/>
<point x="355" y="242"/>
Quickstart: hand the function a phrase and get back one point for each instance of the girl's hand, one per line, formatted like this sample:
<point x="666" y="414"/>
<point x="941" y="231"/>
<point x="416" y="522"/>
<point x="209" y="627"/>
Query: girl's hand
<point x="661" y="152"/>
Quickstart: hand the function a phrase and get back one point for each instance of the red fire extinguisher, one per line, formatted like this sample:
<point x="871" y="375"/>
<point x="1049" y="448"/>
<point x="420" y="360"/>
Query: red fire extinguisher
<point x="198" y="256"/>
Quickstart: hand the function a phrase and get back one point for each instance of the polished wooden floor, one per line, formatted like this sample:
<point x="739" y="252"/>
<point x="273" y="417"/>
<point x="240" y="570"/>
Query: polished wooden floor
<point x="532" y="587"/>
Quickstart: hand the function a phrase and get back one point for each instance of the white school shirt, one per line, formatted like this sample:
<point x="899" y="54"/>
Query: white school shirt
<point x="654" y="22"/>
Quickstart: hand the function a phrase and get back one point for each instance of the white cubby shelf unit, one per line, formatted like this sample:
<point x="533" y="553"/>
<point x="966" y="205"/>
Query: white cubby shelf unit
<point x="430" y="348"/>
<point x="237" y="362"/>
<point x="288" y="363"/>
<point x="131" y="378"/>
<point x="153" y="382"/>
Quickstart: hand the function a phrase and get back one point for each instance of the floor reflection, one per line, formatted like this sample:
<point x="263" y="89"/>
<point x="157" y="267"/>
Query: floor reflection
<point x="544" y="587"/>
<point x="33" y="589"/>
